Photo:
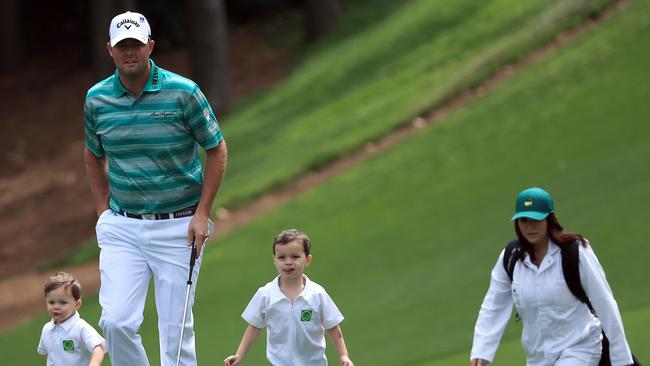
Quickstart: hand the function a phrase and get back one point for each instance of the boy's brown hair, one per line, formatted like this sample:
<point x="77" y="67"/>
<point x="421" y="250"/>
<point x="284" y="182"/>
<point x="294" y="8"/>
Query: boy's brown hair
<point x="287" y="236"/>
<point x="65" y="280"/>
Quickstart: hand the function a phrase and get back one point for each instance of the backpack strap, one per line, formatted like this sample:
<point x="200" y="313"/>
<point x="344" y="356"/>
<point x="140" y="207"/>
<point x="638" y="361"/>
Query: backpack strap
<point x="510" y="256"/>
<point x="571" y="271"/>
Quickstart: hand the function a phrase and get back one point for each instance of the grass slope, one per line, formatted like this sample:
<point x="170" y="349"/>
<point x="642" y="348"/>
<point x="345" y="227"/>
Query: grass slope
<point x="354" y="88"/>
<point x="405" y="241"/>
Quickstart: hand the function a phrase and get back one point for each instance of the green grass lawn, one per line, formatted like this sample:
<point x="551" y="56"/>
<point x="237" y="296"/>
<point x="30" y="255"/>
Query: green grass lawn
<point x="405" y="241"/>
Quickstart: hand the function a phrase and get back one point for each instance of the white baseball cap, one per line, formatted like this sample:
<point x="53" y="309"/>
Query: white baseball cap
<point x="129" y="25"/>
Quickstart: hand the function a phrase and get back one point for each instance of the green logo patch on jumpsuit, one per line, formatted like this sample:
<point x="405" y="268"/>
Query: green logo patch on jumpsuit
<point x="68" y="345"/>
<point x="305" y="315"/>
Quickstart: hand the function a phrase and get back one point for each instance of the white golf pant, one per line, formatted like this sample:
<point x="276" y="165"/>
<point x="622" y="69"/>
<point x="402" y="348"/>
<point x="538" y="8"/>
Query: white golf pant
<point x="132" y="252"/>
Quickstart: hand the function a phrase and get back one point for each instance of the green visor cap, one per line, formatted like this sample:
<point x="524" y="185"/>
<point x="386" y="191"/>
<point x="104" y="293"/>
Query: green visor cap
<point x="534" y="203"/>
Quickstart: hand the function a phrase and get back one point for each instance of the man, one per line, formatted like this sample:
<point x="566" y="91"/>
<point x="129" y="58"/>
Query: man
<point x="146" y="124"/>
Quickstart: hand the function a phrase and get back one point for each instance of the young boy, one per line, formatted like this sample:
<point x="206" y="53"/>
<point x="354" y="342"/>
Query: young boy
<point x="67" y="340"/>
<point x="295" y="310"/>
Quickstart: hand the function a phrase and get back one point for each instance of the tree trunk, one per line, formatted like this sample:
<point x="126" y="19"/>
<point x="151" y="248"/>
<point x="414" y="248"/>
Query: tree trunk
<point x="127" y="5"/>
<point x="10" y="20"/>
<point x="320" y="17"/>
<point x="208" y="40"/>
<point x="101" y="13"/>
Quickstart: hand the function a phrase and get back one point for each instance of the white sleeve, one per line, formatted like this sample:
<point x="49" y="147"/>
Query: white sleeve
<point x="91" y="338"/>
<point x="602" y="299"/>
<point x="494" y="315"/>
<point x="255" y="312"/>
<point x="41" y="344"/>
<point x="331" y="315"/>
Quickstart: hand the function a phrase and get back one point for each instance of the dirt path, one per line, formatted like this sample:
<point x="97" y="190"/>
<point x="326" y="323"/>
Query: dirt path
<point x="21" y="298"/>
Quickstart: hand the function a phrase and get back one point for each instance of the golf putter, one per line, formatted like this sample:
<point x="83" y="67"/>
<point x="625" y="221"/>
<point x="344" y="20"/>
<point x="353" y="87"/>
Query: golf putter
<point x="187" y="299"/>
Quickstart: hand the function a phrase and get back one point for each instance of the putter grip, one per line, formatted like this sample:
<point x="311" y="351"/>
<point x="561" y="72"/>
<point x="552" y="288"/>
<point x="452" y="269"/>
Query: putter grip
<point x="192" y="261"/>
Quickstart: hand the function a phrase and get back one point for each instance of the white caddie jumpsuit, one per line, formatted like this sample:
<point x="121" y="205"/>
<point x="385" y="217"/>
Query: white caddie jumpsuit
<point x="558" y="329"/>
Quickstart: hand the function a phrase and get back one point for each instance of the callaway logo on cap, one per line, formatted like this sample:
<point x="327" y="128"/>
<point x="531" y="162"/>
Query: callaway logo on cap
<point x="129" y="25"/>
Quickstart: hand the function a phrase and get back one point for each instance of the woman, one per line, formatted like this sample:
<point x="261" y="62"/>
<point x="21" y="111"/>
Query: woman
<point x="558" y="329"/>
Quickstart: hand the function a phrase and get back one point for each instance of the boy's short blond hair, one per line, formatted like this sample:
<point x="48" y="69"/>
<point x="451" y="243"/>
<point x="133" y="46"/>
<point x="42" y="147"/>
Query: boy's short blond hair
<point x="287" y="236"/>
<point x="65" y="280"/>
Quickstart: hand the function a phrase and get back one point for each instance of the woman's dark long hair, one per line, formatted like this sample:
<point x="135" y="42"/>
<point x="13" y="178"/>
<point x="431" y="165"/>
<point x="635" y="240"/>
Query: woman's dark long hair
<point x="555" y="231"/>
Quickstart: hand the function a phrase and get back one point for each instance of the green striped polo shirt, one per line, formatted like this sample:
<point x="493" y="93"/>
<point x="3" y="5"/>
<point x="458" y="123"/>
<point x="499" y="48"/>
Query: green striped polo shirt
<point x="151" y="141"/>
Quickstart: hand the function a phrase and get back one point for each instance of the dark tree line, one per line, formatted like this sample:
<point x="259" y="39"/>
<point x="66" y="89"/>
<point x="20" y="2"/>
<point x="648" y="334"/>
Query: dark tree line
<point x="208" y="41"/>
<point x="202" y="25"/>
<point x="320" y="17"/>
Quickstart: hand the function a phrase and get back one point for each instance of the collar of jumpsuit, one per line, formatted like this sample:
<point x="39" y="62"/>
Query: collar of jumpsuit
<point x="546" y="262"/>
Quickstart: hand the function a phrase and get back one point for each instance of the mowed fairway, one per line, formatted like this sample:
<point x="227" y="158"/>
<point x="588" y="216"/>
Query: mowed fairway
<point x="405" y="241"/>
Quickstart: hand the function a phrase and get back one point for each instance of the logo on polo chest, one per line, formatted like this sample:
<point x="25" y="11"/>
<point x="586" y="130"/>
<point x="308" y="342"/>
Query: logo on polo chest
<point x="305" y="315"/>
<point x="68" y="345"/>
<point x="162" y="115"/>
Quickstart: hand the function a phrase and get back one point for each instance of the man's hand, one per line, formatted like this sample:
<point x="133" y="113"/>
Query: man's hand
<point x="198" y="231"/>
